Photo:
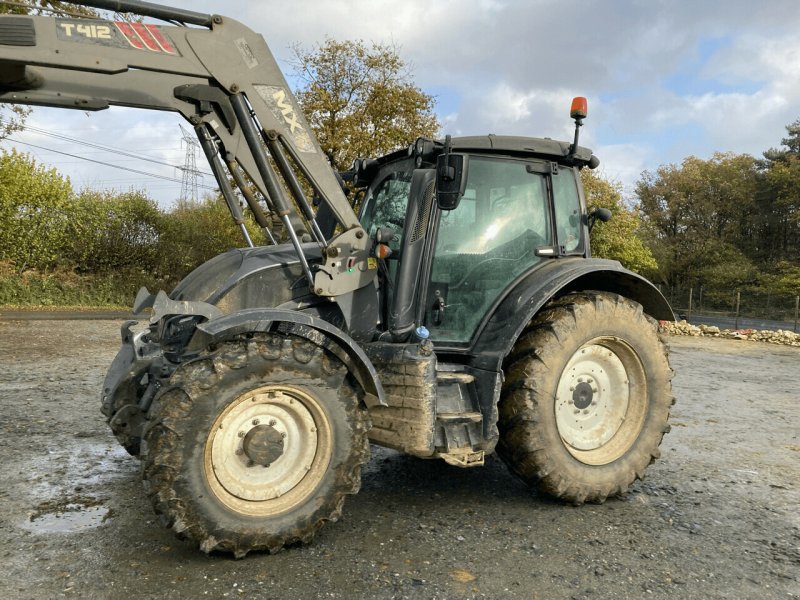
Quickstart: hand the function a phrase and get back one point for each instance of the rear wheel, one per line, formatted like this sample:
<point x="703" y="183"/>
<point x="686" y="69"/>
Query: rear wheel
<point x="255" y="445"/>
<point x="586" y="398"/>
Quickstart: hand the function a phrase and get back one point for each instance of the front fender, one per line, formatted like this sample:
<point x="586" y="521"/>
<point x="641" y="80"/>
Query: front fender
<point x="520" y="304"/>
<point x="304" y="325"/>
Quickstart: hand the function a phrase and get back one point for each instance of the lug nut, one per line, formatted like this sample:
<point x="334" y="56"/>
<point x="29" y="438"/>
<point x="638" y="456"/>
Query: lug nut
<point x="272" y="422"/>
<point x="241" y="434"/>
<point x="256" y="421"/>
<point x="239" y="452"/>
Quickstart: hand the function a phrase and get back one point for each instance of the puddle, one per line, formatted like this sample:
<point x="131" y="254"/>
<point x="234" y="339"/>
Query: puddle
<point x="79" y="464"/>
<point x="70" y="516"/>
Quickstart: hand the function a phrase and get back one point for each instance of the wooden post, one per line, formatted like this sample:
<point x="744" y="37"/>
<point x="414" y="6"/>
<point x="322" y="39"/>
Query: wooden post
<point x="796" y="311"/>
<point x="689" y="312"/>
<point x="738" y="301"/>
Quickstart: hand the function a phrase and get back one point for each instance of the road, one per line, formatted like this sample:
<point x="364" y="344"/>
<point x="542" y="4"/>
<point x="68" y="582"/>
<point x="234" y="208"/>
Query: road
<point x="716" y="517"/>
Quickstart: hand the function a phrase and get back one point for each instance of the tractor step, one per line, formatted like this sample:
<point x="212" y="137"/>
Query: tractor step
<point x="466" y="417"/>
<point x="459" y="422"/>
<point x="454" y="377"/>
<point x="463" y="458"/>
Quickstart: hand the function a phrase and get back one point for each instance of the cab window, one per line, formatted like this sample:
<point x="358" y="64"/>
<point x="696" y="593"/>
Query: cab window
<point x="386" y="206"/>
<point x="567" y="206"/>
<point x="485" y="243"/>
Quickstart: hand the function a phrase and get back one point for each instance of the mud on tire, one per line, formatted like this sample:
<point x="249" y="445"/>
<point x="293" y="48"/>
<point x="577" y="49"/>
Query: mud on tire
<point x="254" y="445"/>
<point x="586" y="398"/>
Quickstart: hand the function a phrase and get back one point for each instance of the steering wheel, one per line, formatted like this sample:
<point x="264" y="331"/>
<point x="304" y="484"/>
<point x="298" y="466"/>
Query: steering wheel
<point x="526" y="242"/>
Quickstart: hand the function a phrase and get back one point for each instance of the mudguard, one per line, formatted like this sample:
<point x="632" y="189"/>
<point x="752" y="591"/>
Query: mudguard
<point x="512" y="311"/>
<point x="304" y="325"/>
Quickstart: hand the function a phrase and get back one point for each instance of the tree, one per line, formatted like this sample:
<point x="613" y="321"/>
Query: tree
<point x="702" y="219"/>
<point x="791" y="141"/>
<point x="360" y="101"/>
<point x="619" y="238"/>
<point x="780" y="199"/>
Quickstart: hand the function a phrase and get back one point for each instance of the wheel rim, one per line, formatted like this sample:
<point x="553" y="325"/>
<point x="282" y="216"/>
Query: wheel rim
<point x="601" y="401"/>
<point x="268" y="450"/>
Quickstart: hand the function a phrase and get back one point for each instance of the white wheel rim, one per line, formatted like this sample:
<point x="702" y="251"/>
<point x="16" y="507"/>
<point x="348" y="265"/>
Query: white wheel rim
<point x="301" y="450"/>
<point x="600" y="401"/>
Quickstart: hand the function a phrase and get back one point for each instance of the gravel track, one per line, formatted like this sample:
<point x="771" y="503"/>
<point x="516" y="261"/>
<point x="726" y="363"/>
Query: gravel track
<point x="717" y="517"/>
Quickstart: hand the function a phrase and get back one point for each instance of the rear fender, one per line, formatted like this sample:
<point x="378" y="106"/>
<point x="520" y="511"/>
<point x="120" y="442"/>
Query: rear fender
<point x="312" y="328"/>
<point x="513" y="312"/>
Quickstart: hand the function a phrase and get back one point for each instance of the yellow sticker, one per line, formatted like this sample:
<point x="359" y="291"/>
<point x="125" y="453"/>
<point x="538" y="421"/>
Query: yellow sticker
<point x="372" y="263"/>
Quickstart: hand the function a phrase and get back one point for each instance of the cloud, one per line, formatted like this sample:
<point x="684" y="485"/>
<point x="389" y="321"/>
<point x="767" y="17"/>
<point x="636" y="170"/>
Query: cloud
<point x="664" y="79"/>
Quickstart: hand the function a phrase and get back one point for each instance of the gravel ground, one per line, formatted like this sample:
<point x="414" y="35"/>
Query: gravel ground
<point x="717" y="517"/>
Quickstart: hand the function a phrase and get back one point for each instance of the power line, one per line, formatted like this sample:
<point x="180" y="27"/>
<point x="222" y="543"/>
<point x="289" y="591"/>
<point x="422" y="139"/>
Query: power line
<point x="104" y="148"/>
<point x="106" y="164"/>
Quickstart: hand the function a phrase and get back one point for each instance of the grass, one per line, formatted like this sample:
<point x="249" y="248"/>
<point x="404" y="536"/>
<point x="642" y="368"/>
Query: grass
<point x="66" y="290"/>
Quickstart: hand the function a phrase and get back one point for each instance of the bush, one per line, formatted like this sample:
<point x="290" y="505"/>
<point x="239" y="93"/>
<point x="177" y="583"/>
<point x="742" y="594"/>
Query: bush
<point x="114" y="232"/>
<point x="195" y="232"/>
<point x="34" y="212"/>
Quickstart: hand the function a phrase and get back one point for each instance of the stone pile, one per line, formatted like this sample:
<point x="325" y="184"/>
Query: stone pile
<point x="785" y="338"/>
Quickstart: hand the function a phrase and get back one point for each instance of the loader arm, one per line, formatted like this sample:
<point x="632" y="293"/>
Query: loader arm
<point x="219" y="75"/>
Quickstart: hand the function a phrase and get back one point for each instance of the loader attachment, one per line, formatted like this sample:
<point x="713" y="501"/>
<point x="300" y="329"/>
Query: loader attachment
<point x="221" y="77"/>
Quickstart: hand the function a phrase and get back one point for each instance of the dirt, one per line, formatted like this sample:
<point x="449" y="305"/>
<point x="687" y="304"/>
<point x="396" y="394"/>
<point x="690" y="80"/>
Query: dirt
<point x="717" y="517"/>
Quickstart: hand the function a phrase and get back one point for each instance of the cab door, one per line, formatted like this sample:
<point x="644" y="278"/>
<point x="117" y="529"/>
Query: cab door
<point x="505" y="225"/>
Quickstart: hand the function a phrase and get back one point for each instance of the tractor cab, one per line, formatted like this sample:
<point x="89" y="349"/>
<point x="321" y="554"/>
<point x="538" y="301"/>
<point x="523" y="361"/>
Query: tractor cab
<point x="520" y="205"/>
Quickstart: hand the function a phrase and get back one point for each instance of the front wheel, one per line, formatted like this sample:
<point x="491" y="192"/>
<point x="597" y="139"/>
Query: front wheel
<point x="255" y="445"/>
<point x="586" y="399"/>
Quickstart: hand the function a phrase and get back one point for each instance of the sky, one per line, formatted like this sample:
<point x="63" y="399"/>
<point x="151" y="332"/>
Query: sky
<point x="664" y="79"/>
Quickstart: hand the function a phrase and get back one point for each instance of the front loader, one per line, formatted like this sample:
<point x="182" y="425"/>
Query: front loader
<point x="459" y="314"/>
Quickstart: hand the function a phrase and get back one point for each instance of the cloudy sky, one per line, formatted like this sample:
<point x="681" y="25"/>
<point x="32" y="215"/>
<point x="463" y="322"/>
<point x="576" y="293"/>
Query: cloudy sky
<point x="664" y="79"/>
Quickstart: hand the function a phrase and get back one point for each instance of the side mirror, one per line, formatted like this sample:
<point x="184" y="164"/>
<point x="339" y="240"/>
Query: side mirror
<point x="603" y="214"/>
<point x="451" y="179"/>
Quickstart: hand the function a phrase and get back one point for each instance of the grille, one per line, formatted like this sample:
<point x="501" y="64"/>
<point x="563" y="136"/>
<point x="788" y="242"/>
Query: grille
<point x="17" y="31"/>
<point x="423" y="216"/>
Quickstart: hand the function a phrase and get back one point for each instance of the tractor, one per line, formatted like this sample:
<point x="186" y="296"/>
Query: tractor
<point x="459" y="314"/>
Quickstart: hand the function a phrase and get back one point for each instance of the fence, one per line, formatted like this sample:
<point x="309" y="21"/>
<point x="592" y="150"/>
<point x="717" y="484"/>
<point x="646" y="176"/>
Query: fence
<point x="734" y="309"/>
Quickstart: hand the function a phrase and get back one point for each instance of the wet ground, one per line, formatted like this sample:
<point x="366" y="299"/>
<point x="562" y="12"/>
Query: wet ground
<point x="717" y="517"/>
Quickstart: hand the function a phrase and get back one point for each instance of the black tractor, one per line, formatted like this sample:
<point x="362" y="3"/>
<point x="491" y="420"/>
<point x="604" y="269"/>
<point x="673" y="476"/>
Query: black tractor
<point x="459" y="314"/>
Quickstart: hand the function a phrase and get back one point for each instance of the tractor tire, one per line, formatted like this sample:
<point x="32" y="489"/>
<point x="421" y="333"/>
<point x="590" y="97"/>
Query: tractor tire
<point x="254" y="445"/>
<point x="586" y="398"/>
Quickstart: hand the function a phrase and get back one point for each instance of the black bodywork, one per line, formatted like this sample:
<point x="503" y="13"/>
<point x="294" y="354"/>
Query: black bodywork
<point x="264" y="289"/>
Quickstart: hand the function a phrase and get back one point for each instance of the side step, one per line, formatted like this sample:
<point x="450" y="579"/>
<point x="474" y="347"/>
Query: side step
<point x="459" y="423"/>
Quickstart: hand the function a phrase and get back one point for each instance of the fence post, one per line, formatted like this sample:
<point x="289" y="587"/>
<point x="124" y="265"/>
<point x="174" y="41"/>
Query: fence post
<point x="796" y="311"/>
<point x="738" y="300"/>
<point x="689" y="312"/>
